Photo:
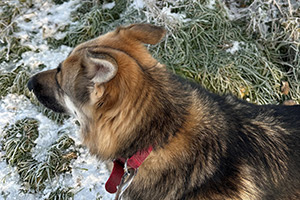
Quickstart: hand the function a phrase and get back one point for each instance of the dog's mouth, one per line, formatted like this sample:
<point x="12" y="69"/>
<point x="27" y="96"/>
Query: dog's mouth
<point x="45" y="95"/>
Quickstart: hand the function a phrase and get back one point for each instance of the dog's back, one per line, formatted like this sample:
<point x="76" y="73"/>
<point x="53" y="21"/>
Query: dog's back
<point x="269" y="142"/>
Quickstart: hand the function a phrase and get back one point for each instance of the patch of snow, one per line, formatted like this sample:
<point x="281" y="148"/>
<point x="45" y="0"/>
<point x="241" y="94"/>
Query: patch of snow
<point x="166" y="11"/>
<point x="13" y="108"/>
<point x="50" y="58"/>
<point x="235" y="47"/>
<point x="91" y="175"/>
<point x="138" y="4"/>
<point x="44" y="20"/>
<point x="234" y="11"/>
<point x="211" y="4"/>
<point x="9" y="187"/>
<point x="161" y="15"/>
<point x="109" y="5"/>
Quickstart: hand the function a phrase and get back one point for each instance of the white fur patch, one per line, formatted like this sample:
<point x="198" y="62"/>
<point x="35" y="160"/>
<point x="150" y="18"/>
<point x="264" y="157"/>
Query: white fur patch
<point x="73" y="110"/>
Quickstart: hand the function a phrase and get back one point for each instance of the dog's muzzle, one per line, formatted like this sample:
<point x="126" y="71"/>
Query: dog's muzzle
<point x="45" y="94"/>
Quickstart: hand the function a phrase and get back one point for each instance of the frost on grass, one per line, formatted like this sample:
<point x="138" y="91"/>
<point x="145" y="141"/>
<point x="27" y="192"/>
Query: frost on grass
<point x="18" y="142"/>
<point x="91" y="21"/>
<point x="212" y="42"/>
<point x="205" y="49"/>
<point x="10" y="46"/>
<point x="274" y="29"/>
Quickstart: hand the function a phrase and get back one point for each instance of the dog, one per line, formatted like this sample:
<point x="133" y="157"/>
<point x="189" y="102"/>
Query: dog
<point x="179" y="140"/>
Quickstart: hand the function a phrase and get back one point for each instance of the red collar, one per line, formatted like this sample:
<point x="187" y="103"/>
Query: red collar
<point x="118" y="170"/>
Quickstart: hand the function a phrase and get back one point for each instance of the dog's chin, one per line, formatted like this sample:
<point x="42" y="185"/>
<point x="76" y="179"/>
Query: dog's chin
<point x="49" y="102"/>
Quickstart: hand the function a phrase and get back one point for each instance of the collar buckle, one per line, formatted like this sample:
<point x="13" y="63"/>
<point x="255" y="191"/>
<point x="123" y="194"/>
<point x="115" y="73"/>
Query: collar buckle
<point x="127" y="178"/>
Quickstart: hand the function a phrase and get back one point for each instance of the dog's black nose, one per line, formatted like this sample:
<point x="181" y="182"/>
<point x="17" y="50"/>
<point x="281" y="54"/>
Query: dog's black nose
<point x="30" y="84"/>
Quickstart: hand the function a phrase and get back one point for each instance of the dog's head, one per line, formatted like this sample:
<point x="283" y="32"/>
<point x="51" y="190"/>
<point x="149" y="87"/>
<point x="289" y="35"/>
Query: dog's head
<point x="105" y="66"/>
<point x="100" y="82"/>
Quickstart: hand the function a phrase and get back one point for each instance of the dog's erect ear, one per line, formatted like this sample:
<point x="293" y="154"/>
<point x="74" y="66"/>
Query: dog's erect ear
<point x="101" y="68"/>
<point x="146" y="33"/>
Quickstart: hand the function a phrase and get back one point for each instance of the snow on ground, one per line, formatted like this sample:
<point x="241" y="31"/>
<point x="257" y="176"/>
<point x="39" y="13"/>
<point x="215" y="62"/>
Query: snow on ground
<point x="235" y="47"/>
<point x="211" y="4"/>
<point x="88" y="174"/>
<point x="50" y="57"/>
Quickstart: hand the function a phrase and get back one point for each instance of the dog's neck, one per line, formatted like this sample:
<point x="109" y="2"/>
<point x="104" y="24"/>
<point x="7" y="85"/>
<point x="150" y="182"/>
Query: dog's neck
<point x="125" y="125"/>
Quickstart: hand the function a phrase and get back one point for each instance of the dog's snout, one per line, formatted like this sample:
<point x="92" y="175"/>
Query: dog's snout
<point x="30" y="84"/>
<point x="43" y="89"/>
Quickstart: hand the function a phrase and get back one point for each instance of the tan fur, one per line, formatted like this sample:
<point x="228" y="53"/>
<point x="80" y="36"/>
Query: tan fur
<point x="249" y="191"/>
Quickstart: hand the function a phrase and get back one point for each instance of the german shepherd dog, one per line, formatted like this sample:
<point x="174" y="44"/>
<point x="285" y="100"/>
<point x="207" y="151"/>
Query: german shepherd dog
<point x="202" y="145"/>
